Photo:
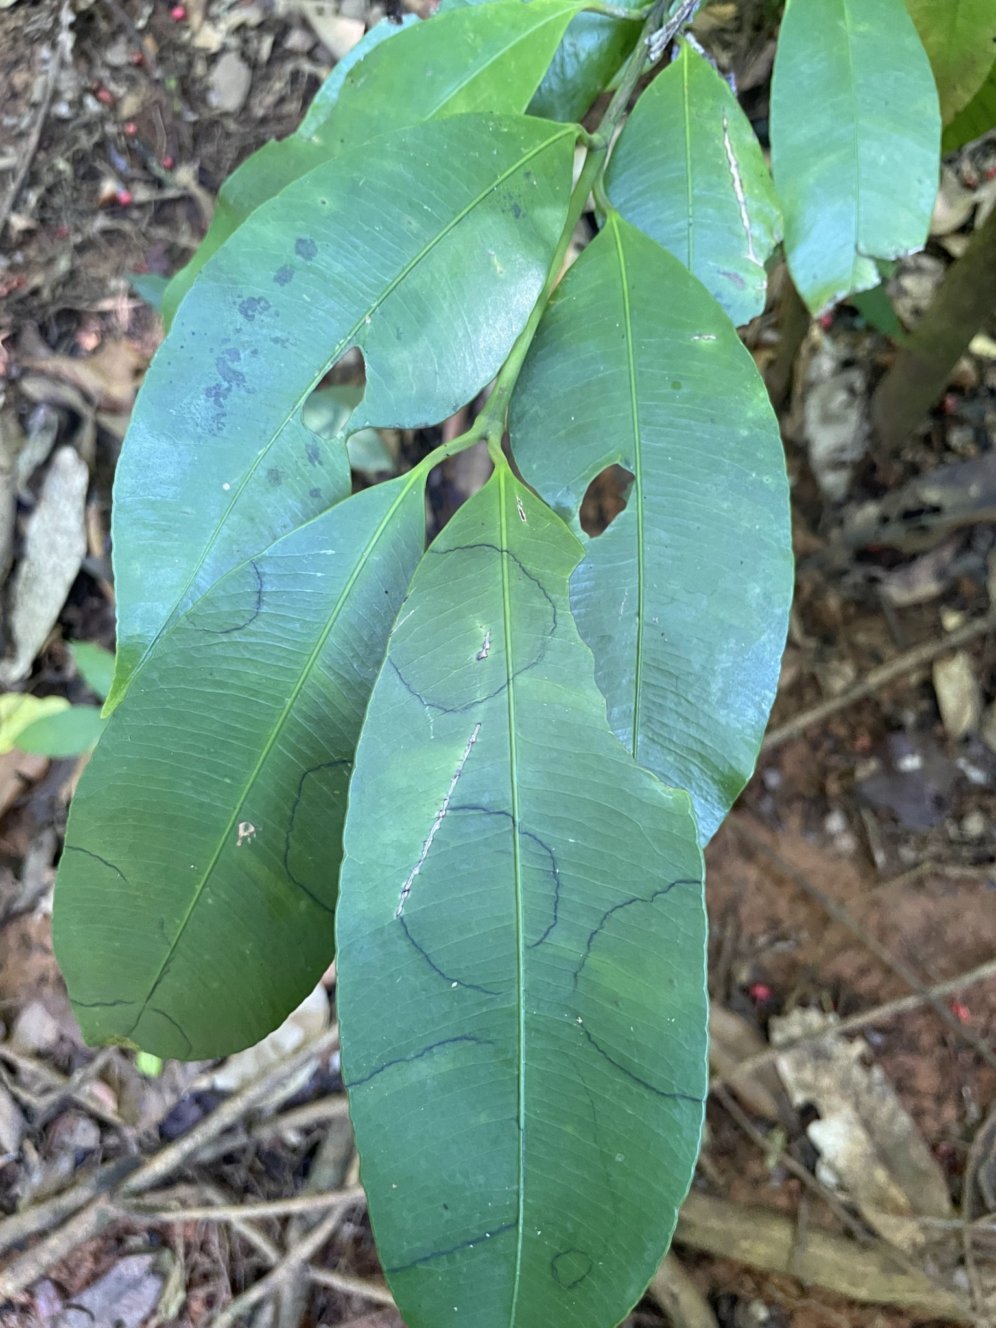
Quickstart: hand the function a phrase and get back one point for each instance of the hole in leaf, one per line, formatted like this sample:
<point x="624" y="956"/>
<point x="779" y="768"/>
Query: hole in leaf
<point x="604" y="499"/>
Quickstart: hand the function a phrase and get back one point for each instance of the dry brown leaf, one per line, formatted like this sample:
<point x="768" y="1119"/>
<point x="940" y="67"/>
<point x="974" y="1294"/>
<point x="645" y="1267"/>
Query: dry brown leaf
<point x="868" y="1143"/>
<point x="108" y="378"/>
<point x="54" y="547"/>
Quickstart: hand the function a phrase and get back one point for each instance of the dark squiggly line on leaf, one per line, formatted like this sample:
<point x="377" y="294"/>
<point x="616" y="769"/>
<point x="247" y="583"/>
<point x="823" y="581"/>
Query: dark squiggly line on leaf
<point x="564" y="1279"/>
<point x="256" y="609"/>
<point x="671" y="1094"/>
<point x="155" y="1009"/>
<point x="526" y="834"/>
<point x="517" y="673"/>
<point x="454" y="982"/>
<point x="454" y="1249"/>
<point x="617" y="908"/>
<point x="288" y="833"/>
<point x="417" y="1056"/>
<point x="75" y="848"/>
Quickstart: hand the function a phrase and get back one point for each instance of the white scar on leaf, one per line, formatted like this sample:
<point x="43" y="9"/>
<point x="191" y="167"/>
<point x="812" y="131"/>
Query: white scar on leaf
<point x="738" y="189"/>
<point x="444" y="807"/>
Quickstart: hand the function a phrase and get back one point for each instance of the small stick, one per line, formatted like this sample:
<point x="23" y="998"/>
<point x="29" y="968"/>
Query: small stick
<point x="22" y="1271"/>
<point x="284" y="1272"/>
<point x="908" y="663"/>
<point x="223" y="1212"/>
<point x="878" y="1014"/>
<point x="899" y="967"/>
<point x="59" y="53"/>
<point x="375" y="1292"/>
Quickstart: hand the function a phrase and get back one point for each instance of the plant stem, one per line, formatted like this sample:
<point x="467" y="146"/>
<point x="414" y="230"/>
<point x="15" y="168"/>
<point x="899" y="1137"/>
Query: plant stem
<point x="654" y="40"/>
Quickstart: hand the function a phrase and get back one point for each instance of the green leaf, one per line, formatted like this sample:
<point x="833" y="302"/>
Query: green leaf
<point x="69" y="731"/>
<point x="521" y="976"/>
<point x="591" y="52"/>
<point x="689" y="172"/>
<point x="855" y="128"/>
<point x="19" y="710"/>
<point x="978" y="117"/>
<point x="193" y="909"/>
<point x="959" y="37"/>
<point x="490" y="58"/>
<point x="217" y="462"/>
<point x="96" y="666"/>
<point x="326" y="98"/>
<point x="684" y="598"/>
<point x="150" y="287"/>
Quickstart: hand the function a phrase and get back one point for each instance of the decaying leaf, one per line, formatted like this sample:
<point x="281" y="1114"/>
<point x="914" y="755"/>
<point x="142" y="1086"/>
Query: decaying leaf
<point x="54" y="545"/>
<point x="868" y="1143"/>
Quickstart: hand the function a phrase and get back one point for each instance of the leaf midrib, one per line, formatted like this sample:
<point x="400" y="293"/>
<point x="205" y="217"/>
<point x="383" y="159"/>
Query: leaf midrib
<point x="634" y="404"/>
<point x="516" y="40"/>
<point x="504" y="479"/>
<point x="344" y="343"/>
<point x="277" y="729"/>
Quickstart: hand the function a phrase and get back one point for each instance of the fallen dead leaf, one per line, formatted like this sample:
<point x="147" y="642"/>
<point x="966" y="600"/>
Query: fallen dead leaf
<point x="109" y="378"/>
<point x="869" y="1145"/>
<point x="958" y="696"/>
<point x="54" y="547"/>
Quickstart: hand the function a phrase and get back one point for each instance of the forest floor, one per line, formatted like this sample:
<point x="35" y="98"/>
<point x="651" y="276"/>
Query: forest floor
<point x="848" y="1180"/>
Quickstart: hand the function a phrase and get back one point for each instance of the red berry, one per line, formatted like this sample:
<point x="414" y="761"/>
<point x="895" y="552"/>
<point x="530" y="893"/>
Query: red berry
<point x="167" y="162"/>
<point x="826" y="320"/>
<point x="105" y="96"/>
<point x="759" y="992"/>
<point x="137" y="57"/>
<point x="178" y="13"/>
<point x="130" y="128"/>
<point x="961" y="1012"/>
<point x="125" y="197"/>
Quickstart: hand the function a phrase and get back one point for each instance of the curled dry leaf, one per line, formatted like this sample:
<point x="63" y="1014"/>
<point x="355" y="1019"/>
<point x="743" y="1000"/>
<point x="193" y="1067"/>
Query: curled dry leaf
<point x="868" y="1143"/>
<point x="958" y="695"/>
<point x="54" y="546"/>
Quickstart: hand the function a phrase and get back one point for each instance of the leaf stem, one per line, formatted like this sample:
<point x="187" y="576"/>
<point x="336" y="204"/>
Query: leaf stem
<point x="657" y="35"/>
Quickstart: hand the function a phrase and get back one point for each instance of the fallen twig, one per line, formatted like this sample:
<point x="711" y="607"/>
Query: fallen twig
<point x="878" y="1014"/>
<point x="93" y="1215"/>
<point x="287" y="1269"/>
<point x="762" y="1238"/>
<point x="375" y="1292"/>
<point x="60" y="52"/>
<point x="839" y="913"/>
<point x="909" y="663"/>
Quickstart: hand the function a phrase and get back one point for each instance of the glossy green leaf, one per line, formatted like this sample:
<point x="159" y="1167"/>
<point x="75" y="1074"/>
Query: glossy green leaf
<point x="488" y="59"/>
<point x="70" y="731"/>
<point x="194" y="903"/>
<point x="684" y="598"/>
<point x="521" y="980"/>
<point x="978" y="117"/>
<point x="591" y="52"/>
<point x="326" y="98"/>
<point x="960" y="39"/>
<point x="689" y="172"/>
<point x="855" y="131"/>
<point x="217" y="462"/>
